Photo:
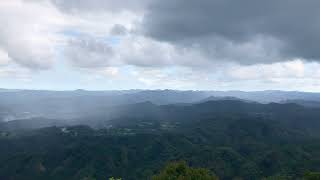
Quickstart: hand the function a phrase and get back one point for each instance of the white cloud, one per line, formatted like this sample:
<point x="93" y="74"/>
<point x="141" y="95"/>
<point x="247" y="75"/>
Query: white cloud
<point x="15" y="73"/>
<point x="289" y="69"/>
<point x="4" y="58"/>
<point x="88" y="52"/>
<point x="111" y="71"/>
<point x="171" y="78"/>
<point x="29" y="32"/>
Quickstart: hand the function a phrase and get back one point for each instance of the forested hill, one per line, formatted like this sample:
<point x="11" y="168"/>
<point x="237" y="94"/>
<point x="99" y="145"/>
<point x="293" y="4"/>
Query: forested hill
<point x="148" y="115"/>
<point x="231" y="138"/>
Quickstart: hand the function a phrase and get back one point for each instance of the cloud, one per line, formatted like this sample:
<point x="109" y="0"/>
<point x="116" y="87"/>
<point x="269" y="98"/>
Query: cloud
<point x="29" y="32"/>
<point x="288" y="70"/>
<point x="145" y="52"/>
<point x="88" y="52"/>
<point x="176" y="78"/>
<point x="158" y="33"/>
<point x="15" y="73"/>
<point x="98" y="6"/>
<point x="289" y="75"/>
<point x="118" y="30"/>
<point x="4" y="58"/>
<point x="282" y="30"/>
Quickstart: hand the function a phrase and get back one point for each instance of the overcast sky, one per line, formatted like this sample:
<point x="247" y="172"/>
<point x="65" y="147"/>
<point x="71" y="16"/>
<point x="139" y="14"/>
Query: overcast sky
<point x="160" y="44"/>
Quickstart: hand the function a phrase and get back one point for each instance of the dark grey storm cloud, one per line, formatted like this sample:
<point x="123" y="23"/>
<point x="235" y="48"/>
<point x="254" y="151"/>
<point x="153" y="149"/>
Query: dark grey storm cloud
<point x="290" y="28"/>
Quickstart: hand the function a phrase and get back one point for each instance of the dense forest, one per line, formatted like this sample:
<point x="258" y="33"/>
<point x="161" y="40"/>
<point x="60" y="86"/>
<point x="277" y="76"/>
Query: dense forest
<point x="231" y="139"/>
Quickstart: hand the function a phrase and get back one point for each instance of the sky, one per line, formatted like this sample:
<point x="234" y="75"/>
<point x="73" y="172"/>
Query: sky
<point x="160" y="44"/>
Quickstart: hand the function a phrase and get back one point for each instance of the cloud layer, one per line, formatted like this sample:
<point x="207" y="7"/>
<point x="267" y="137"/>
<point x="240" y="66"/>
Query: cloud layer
<point x="287" y="29"/>
<point x="203" y="44"/>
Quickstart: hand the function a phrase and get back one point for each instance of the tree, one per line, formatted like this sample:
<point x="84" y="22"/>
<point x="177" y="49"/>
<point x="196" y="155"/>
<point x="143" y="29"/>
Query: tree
<point x="181" y="171"/>
<point x="312" y="176"/>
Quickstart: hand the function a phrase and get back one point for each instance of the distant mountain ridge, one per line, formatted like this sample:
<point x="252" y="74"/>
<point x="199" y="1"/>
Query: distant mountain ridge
<point x="230" y="98"/>
<point x="293" y="115"/>
<point x="82" y="103"/>
<point x="306" y="103"/>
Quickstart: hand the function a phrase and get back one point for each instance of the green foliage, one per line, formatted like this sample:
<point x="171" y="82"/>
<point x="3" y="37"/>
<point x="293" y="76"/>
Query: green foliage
<point x="279" y="177"/>
<point x="112" y="178"/>
<point x="180" y="171"/>
<point x="312" y="176"/>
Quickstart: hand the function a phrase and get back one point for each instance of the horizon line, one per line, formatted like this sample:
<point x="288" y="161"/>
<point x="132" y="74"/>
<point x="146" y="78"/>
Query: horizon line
<point x="186" y="90"/>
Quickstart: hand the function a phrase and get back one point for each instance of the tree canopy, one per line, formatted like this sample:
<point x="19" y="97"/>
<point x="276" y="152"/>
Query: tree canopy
<point x="181" y="171"/>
